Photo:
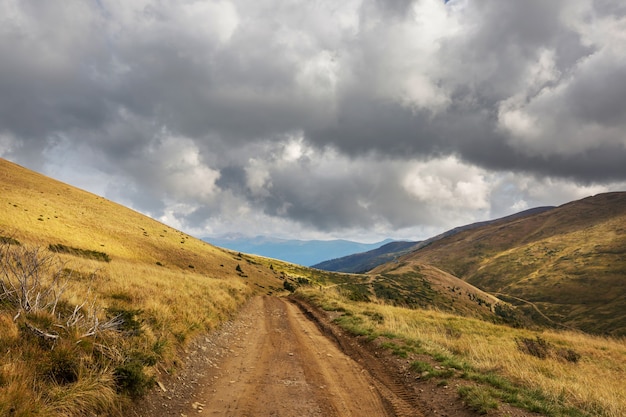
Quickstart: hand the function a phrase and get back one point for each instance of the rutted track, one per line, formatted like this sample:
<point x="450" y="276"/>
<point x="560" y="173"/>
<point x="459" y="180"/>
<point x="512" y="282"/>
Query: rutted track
<point x="390" y="387"/>
<point x="282" y="358"/>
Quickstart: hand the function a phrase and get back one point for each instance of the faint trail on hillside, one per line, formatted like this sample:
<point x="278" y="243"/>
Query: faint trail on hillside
<point x="534" y="306"/>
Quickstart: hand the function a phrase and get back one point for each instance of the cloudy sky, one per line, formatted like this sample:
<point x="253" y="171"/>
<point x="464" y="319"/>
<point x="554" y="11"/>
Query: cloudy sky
<point x="360" y="119"/>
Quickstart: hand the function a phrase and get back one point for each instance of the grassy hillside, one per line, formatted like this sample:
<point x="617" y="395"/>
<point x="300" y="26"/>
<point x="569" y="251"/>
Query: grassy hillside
<point x="404" y="285"/>
<point x="415" y="285"/>
<point x="97" y="299"/>
<point x="565" y="266"/>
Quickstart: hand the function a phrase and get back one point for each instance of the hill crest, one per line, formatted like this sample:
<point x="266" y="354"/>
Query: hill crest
<point x="568" y="262"/>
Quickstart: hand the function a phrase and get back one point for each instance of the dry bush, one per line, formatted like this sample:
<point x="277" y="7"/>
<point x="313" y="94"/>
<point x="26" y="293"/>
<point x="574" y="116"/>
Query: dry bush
<point x="30" y="280"/>
<point x="542" y="349"/>
<point x="50" y="343"/>
<point x="536" y="347"/>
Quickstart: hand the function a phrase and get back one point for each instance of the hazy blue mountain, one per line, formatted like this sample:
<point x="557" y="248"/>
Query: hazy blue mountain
<point x="362" y="262"/>
<point x="302" y="252"/>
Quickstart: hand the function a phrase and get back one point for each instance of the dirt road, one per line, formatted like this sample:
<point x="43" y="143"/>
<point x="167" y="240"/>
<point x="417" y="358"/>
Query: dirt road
<point x="274" y="361"/>
<point x="286" y="367"/>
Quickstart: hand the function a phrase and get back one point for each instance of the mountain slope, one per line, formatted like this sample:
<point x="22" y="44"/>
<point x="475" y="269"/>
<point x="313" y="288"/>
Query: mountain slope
<point x="95" y="298"/>
<point x="425" y="286"/>
<point x="42" y="210"/>
<point x="301" y="252"/>
<point x="568" y="263"/>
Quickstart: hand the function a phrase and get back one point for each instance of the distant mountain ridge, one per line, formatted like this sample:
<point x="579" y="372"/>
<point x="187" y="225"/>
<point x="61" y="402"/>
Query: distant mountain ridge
<point x="302" y="252"/>
<point x="365" y="261"/>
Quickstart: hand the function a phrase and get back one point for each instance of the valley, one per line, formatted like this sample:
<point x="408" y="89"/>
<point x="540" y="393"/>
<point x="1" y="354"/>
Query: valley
<point x="105" y="312"/>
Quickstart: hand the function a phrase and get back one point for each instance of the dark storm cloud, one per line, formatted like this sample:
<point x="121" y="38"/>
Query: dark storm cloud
<point x="221" y="108"/>
<point x="600" y="97"/>
<point x="341" y="195"/>
<point x="364" y="124"/>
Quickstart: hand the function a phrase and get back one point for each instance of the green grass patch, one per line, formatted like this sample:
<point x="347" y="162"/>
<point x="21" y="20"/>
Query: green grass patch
<point x="427" y="371"/>
<point x="479" y="399"/>
<point x="398" y="350"/>
<point x="451" y="362"/>
<point x="529" y="399"/>
<point x="421" y="366"/>
<point x="354" y="325"/>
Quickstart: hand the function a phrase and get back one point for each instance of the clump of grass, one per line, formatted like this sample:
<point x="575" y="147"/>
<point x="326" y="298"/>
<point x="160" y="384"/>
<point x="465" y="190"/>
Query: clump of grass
<point x="354" y="325"/>
<point x="479" y="399"/>
<point x="427" y="371"/>
<point x="131" y="377"/>
<point x="374" y="316"/>
<point x="128" y="319"/>
<point x="537" y="347"/>
<point x="9" y="241"/>
<point x="400" y="350"/>
<point x="289" y="286"/>
<point x="84" y="253"/>
<point x="542" y="349"/>
<point x="121" y="296"/>
<point x="94" y="391"/>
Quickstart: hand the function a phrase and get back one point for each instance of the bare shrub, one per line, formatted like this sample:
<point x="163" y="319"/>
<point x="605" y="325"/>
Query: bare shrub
<point x="568" y="355"/>
<point x="30" y="280"/>
<point x="33" y="281"/>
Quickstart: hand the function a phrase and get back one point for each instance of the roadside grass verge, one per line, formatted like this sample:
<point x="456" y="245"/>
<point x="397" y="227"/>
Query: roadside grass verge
<point x="573" y="375"/>
<point x="82" y="337"/>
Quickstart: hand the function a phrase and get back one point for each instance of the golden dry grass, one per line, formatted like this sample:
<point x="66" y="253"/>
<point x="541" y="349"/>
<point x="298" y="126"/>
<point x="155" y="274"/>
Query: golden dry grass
<point x="569" y="262"/>
<point x="596" y="383"/>
<point x="170" y="307"/>
<point x="167" y="284"/>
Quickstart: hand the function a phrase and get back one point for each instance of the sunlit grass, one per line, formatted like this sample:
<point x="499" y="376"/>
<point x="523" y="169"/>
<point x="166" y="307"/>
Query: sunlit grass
<point x="166" y="286"/>
<point x="595" y="384"/>
<point x="75" y="374"/>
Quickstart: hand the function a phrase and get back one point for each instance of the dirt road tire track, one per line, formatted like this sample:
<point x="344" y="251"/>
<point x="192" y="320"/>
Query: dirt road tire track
<point x="287" y="358"/>
<point x="399" y="398"/>
<point x="273" y="360"/>
<point x="286" y="367"/>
